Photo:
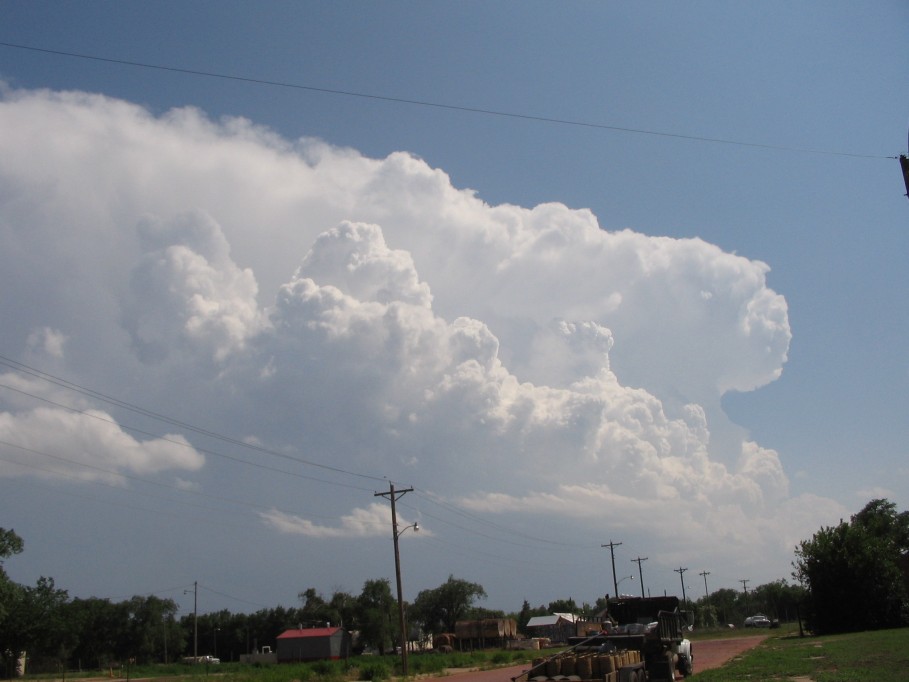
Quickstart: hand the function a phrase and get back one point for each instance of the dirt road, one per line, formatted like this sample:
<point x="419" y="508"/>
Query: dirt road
<point x="708" y="653"/>
<point x="713" y="653"/>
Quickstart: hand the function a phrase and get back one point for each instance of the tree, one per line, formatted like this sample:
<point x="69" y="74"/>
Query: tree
<point x="563" y="606"/>
<point x="377" y="614"/>
<point x="439" y="609"/>
<point x="10" y="544"/>
<point x="342" y="608"/>
<point x="35" y="623"/>
<point x="854" y="572"/>
<point x="315" y="608"/>
<point x="777" y="599"/>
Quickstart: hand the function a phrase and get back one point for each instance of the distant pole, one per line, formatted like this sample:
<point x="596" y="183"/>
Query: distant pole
<point x="393" y="496"/>
<point x="615" y="585"/>
<point x="745" y="585"/>
<point x="195" y="620"/>
<point x="640" y="573"/>
<point x="681" y="572"/>
<point x="706" y="593"/>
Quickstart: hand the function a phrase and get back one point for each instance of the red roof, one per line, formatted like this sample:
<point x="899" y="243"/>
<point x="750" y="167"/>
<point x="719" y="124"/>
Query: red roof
<point x="308" y="632"/>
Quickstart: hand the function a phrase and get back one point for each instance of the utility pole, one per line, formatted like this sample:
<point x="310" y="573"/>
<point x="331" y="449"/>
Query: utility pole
<point x="393" y="496"/>
<point x="745" y="585"/>
<point x="681" y="572"/>
<point x="195" y="620"/>
<point x="615" y="585"/>
<point x="706" y="593"/>
<point x="640" y="573"/>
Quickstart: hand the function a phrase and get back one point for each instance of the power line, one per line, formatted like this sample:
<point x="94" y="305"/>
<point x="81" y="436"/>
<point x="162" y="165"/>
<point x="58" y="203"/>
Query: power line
<point x="50" y="378"/>
<point x="479" y="519"/>
<point x="97" y="395"/>
<point x="119" y="475"/>
<point x="437" y="105"/>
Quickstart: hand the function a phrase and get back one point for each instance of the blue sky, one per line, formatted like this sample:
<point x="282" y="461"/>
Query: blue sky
<point x="720" y="251"/>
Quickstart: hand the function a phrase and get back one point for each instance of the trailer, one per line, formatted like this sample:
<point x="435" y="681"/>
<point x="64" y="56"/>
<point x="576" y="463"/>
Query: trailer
<point x="641" y="640"/>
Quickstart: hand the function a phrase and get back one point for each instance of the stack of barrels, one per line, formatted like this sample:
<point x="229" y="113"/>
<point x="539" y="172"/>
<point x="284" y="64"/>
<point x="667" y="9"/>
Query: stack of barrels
<point x="571" y="667"/>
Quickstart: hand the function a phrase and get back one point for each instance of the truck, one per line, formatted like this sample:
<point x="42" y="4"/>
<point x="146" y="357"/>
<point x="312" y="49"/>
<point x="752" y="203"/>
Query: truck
<point x="642" y="639"/>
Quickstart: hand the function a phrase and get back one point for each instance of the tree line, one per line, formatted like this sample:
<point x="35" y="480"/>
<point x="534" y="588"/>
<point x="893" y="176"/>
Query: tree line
<point x="853" y="576"/>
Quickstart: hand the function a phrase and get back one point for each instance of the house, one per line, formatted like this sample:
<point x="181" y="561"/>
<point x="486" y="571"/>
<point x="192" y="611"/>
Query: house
<point x="558" y="627"/>
<point x="313" y="644"/>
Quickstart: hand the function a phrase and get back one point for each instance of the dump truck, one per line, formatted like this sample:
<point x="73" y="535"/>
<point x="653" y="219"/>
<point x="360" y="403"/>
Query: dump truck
<point x="641" y="640"/>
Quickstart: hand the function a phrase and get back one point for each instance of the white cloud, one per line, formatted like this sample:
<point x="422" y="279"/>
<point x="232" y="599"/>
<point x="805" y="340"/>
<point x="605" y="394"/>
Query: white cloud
<point x="371" y="313"/>
<point x="373" y="521"/>
<point x="85" y="447"/>
<point x="46" y="341"/>
<point x="187" y="291"/>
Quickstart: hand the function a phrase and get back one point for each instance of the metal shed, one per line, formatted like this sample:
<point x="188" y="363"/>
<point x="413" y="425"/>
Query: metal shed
<point x="313" y="644"/>
<point x="558" y="627"/>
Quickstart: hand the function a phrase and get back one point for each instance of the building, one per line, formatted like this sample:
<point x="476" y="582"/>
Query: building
<point x="313" y="644"/>
<point x="557" y="627"/>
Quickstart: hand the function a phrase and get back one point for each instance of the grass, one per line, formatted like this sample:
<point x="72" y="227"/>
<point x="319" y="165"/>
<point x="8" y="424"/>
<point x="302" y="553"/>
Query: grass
<point x="785" y="629"/>
<point x="879" y="656"/>
<point x="371" y="668"/>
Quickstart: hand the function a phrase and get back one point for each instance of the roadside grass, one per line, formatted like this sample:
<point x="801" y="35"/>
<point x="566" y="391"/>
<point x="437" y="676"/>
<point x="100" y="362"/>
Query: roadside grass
<point x="369" y="668"/>
<point x="698" y="634"/>
<point x="878" y="656"/>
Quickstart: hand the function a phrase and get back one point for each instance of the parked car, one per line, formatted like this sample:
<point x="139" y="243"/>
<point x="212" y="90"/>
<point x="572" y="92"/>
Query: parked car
<point x="758" y="620"/>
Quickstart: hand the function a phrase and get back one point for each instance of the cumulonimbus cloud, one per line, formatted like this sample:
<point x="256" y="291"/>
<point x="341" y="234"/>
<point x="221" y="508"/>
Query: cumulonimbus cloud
<point x="372" y="310"/>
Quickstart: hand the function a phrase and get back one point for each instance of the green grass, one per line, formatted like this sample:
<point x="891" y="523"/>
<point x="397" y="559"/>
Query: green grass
<point x="880" y="656"/>
<point x="726" y="633"/>
<point x="372" y="668"/>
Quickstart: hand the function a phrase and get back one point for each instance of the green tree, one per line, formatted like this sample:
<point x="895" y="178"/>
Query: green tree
<point x="315" y="608"/>
<point x="35" y="623"/>
<point x="563" y="606"/>
<point x="439" y="609"/>
<point x="99" y="626"/>
<point x="146" y="627"/>
<point x="778" y="599"/>
<point x="377" y="608"/>
<point x="853" y="572"/>
<point x="10" y="544"/>
<point x="342" y="607"/>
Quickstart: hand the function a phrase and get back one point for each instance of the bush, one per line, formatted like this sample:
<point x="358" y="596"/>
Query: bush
<point x="375" y="671"/>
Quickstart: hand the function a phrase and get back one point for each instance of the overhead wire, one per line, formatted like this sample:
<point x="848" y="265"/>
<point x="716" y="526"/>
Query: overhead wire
<point x="63" y="383"/>
<point x="438" y="105"/>
<point x="425" y="495"/>
<point x="207" y="451"/>
<point x="130" y="477"/>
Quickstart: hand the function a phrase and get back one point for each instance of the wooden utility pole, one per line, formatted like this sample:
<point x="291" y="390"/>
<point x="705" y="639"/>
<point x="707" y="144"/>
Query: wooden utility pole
<point x="393" y="496"/>
<point x="640" y="573"/>
<point x="615" y="585"/>
<point x="681" y="572"/>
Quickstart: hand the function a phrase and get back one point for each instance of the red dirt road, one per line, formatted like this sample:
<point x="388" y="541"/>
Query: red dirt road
<point x="708" y="654"/>
<point x="714" y="653"/>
